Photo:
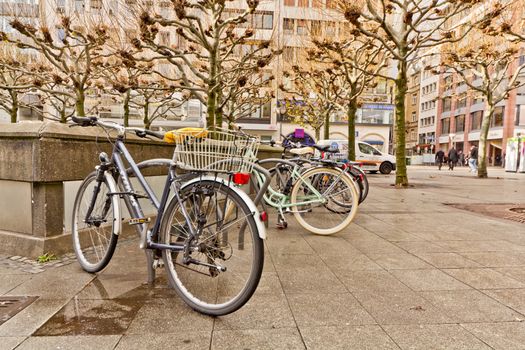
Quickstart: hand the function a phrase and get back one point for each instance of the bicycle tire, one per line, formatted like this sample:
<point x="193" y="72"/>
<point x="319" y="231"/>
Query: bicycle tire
<point x="105" y="254"/>
<point x="365" y="185"/>
<point x="177" y="273"/>
<point x="298" y="210"/>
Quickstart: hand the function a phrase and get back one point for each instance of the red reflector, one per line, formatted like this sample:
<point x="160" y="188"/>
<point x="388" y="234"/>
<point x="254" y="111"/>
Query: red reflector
<point x="264" y="216"/>
<point x="241" y="178"/>
<point x="361" y="177"/>
<point x="344" y="166"/>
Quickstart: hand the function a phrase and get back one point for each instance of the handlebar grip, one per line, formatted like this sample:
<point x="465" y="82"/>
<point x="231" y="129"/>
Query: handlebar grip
<point x="85" y="121"/>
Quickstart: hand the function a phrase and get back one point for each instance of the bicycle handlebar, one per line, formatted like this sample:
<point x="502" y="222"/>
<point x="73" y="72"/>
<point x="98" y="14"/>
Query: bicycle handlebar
<point x="94" y="121"/>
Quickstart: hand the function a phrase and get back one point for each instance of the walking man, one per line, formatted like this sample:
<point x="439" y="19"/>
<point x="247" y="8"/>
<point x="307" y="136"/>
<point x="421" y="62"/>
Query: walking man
<point x="440" y="155"/>
<point x="452" y="158"/>
<point x="473" y="159"/>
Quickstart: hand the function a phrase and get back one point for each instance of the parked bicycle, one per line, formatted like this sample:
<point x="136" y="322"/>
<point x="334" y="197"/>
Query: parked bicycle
<point x="208" y="232"/>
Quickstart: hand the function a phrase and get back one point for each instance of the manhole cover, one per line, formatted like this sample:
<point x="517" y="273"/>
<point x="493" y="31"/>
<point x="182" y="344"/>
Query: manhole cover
<point x="10" y="306"/>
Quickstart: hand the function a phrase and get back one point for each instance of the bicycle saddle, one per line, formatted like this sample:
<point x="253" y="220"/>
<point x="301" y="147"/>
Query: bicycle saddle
<point x="302" y="151"/>
<point x="325" y="148"/>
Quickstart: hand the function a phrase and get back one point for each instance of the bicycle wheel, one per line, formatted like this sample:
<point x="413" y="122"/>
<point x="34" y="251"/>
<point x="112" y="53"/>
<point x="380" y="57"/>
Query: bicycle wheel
<point x="224" y="262"/>
<point x="95" y="236"/>
<point x="359" y="173"/>
<point x="323" y="214"/>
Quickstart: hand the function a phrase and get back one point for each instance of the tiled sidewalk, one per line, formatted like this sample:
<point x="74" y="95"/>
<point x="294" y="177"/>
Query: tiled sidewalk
<point x="409" y="273"/>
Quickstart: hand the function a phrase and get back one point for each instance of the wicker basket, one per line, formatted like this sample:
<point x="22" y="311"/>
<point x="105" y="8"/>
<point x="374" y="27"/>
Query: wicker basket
<point x="219" y="150"/>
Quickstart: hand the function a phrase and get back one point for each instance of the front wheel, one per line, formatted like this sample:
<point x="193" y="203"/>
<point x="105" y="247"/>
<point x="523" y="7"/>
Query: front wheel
<point x="386" y="168"/>
<point x="223" y="264"/>
<point x="317" y="198"/>
<point x="96" y="222"/>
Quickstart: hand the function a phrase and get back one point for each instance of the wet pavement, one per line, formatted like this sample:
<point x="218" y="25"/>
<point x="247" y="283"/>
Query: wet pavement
<point x="409" y="273"/>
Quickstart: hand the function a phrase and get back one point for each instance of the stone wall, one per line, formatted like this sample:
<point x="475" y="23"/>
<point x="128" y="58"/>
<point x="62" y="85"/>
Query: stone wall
<point x="41" y="165"/>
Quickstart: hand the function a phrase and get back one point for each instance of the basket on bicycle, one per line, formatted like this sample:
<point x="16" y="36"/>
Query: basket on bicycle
<point x="220" y="150"/>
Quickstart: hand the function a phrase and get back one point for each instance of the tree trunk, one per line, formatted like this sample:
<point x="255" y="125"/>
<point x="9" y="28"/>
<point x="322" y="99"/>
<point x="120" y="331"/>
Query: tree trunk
<point x="145" y="109"/>
<point x="351" y="112"/>
<point x="482" y="151"/>
<point x="327" y="126"/>
<point x="63" y="117"/>
<point x="401" y="90"/>
<point x="126" y="107"/>
<point x="317" y="134"/>
<point x="79" y="104"/>
<point x="14" y="107"/>
<point x="212" y="100"/>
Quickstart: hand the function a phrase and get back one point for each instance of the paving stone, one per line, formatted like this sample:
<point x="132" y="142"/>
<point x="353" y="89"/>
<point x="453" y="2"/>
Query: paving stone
<point x="399" y="261"/>
<point x="400" y="308"/>
<point x="447" y="260"/>
<point x="500" y="336"/>
<point x="372" y="280"/>
<point x="435" y="337"/>
<point x="9" y="343"/>
<point x="328" y="310"/>
<point x="470" y="306"/>
<point x="70" y="342"/>
<point x="484" y="278"/>
<point x="513" y="298"/>
<point x="347" y="337"/>
<point x="428" y="279"/>
<point x="282" y="338"/>
<point x="187" y="340"/>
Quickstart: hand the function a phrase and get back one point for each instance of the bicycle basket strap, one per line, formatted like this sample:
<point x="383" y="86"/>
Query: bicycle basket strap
<point x="177" y="136"/>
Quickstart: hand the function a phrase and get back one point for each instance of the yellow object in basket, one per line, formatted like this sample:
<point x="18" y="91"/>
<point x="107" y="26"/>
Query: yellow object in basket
<point x="178" y="135"/>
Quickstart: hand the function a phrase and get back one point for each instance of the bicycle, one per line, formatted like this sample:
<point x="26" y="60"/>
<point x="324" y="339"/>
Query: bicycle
<point x="314" y="196"/>
<point x="208" y="232"/>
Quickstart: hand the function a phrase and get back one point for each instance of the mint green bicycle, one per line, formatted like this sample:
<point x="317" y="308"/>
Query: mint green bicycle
<point x="323" y="198"/>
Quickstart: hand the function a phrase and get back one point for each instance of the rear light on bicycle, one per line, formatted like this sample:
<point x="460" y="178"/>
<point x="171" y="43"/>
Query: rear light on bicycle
<point x="241" y="178"/>
<point x="344" y="166"/>
<point x="361" y="177"/>
<point x="263" y="216"/>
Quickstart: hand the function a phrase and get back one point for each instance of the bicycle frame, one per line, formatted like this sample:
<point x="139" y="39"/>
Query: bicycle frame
<point x="130" y="196"/>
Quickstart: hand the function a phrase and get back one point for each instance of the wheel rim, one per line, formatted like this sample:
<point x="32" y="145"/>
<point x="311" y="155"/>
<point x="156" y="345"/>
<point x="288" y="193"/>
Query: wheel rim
<point x="203" y="286"/>
<point x="330" y="217"/>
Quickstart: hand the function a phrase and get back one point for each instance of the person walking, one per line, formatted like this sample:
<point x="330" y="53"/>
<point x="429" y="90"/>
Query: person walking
<point x="452" y="158"/>
<point x="473" y="159"/>
<point x="461" y="158"/>
<point x="440" y="155"/>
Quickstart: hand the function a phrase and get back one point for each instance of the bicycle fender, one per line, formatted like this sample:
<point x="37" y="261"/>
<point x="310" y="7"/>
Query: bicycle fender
<point x="261" y="229"/>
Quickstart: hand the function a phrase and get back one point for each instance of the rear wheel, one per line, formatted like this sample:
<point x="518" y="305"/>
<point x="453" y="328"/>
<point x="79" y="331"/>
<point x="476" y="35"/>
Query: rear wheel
<point x="95" y="235"/>
<point x="386" y="168"/>
<point x="223" y="265"/>
<point x="324" y="213"/>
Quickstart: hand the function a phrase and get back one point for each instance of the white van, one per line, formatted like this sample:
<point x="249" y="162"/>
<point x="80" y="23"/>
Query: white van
<point x="372" y="160"/>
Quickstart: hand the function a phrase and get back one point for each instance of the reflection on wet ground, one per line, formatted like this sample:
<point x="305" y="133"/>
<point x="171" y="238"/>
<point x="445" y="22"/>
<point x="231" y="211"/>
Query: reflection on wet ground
<point x="100" y="314"/>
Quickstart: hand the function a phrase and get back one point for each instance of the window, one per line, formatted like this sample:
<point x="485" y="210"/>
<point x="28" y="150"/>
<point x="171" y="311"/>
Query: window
<point x="164" y="38"/>
<point x="366" y="149"/>
<point x="477" y="100"/>
<point x="288" y="53"/>
<point x="414" y="99"/>
<point x="316" y="28"/>
<point x="497" y="118"/>
<point x="445" y="126"/>
<point x="289" y="2"/>
<point x="475" y="120"/>
<point x="462" y="101"/>
<point x="414" y="117"/>
<point x="520" y="115"/>
<point x="302" y="3"/>
<point x="302" y="27"/>
<point x="79" y="6"/>
<point x="96" y="4"/>
<point x="447" y="104"/>
<point x="330" y="28"/>
<point x="288" y="26"/>
<point x="460" y="123"/>
<point x="267" y="22"/>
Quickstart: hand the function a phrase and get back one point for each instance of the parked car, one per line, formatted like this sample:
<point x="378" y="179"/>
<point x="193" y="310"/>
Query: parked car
<point x="372" y="159"/>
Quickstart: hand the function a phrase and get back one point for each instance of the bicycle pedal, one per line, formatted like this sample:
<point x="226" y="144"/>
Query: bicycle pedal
<point x="157" y="263"/>
<point x="138" y="221"/>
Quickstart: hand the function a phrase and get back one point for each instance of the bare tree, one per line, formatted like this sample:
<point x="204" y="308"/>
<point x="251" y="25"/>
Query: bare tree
<point x="76" y="54"/>
<point x="358" y="60"/>
<point x="216" y="55"/>
<point x="406" y="29"/>
<point x="489" y="65"/>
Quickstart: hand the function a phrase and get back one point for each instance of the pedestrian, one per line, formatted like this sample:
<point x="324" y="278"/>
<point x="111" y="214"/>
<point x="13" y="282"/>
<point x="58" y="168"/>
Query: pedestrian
<point x="461" y="158"/>
<point x="452" y="158"/>
<point x="440" y="155"/>
<point x="473" y="159"/>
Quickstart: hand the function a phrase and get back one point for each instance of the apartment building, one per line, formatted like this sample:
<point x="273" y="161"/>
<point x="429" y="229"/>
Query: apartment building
<point x="412" y="110"/>
<point x="428" y="105"/>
